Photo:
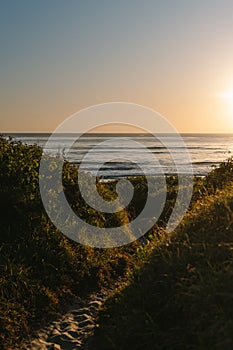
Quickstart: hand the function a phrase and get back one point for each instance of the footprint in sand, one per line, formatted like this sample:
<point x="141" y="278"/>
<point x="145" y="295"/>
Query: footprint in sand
<point x="73" y="330"/>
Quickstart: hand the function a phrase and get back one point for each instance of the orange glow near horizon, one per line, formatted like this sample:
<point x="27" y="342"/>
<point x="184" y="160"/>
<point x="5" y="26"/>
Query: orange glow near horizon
<point x="168" y="56"/>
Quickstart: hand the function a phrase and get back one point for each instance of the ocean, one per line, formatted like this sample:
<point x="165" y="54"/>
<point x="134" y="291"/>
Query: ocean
<point x="206" y="151"/>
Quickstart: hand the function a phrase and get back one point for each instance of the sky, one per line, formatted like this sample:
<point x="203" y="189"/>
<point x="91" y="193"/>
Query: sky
<point x="59" y="56"/>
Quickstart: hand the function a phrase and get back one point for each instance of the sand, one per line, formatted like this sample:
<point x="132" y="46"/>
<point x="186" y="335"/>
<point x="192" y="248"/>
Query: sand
<point x="74" y="330"/>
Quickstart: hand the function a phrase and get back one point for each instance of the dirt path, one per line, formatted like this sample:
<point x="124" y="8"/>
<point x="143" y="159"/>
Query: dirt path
<point x="73" y="329"/>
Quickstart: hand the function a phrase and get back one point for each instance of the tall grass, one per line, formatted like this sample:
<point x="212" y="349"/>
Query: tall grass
<point x="40" y="269"/>
<point x="183" y="297"/>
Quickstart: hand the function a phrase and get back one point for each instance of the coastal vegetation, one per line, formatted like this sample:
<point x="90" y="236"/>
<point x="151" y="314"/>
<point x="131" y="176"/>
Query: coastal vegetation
<point x="176" y="289"/>
<point x="182" y="297"/>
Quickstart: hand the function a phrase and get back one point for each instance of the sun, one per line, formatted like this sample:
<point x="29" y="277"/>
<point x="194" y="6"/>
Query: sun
<point x="227" y="95"/>
<point x="227" y="98"/>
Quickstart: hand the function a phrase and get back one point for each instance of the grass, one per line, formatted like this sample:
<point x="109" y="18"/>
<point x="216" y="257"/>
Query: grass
<point x="40" y="269"/>
<point x="182" y="298"/>
<point x="170" y="279"/>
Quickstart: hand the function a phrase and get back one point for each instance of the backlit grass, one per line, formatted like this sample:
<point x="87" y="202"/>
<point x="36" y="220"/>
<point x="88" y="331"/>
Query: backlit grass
<point x="183" y="297"/>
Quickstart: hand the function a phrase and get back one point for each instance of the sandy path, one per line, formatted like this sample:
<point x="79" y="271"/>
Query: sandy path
<point x="73" y="329"/>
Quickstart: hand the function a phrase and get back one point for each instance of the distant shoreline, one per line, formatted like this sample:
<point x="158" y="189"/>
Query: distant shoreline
<point x="109" y="134"/>
<point x="206" y="151"/>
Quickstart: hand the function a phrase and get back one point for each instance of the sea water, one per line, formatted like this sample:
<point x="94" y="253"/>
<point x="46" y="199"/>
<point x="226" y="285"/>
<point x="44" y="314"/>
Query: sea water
<point x="206" y="151"/>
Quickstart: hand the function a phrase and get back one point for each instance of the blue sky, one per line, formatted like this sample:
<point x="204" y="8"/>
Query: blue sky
<point x="59" y="56"/>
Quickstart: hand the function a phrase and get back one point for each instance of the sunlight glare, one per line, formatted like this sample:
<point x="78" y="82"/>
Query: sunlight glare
<point x="227" y="95"/>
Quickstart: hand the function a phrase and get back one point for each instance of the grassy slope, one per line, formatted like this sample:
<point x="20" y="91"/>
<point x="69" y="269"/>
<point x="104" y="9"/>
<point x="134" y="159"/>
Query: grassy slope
<point x="183" y="297"/>
<point x="39" y="268"/>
